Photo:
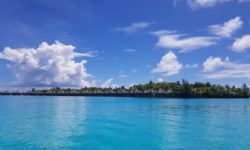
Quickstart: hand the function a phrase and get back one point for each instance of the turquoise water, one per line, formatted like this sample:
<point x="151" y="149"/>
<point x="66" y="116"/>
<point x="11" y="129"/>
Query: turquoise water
<point x="106" y="123"/>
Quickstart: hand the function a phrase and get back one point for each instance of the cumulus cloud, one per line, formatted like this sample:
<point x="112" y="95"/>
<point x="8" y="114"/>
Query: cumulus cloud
<point x="213" y="63"/>
<point x="47" y="65"/>
<point x="228" y="28"/>
<point x="210" y="3"/>
<point x="170" y="39"/>
<point x="241" y="44"/>
<point x="217" y="68"/>
<point x="134" y="27"/>
<point x="169" y="65"/>
<point x="109" y="83"/>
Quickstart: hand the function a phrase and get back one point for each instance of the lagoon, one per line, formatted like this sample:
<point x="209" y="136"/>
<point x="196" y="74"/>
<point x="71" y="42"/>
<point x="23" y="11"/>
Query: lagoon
<point x="116" y="123"/>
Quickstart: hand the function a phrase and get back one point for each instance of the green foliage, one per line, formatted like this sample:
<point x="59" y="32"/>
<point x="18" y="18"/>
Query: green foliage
<point x="164" y="89"/>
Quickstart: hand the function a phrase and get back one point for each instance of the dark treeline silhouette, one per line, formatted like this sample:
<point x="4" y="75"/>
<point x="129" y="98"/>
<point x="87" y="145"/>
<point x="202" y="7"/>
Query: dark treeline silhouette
<point x="162" y="89"/>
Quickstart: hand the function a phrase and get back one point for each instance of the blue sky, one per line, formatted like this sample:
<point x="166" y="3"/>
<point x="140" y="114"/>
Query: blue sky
<point x="115" y="42"/>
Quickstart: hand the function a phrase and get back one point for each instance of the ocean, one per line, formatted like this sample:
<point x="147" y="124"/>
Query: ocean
<point x="119" y="123"/>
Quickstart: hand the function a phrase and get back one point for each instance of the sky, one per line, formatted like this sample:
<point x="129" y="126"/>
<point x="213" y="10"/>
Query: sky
<point x="78" y="43"/>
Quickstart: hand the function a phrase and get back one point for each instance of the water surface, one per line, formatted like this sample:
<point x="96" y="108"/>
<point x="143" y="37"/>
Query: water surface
<point x="109" y="123"/>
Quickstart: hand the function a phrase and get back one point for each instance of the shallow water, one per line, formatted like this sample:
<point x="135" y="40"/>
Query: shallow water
<point x="109" y="123"/>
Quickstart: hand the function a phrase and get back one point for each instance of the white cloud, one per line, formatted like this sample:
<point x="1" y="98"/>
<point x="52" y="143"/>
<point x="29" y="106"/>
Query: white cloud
<point x="134" y="27"/>
<point x="169" y="65"/>
<point x="191" y="66"/>
<point x="228" y="28"/>
<point x="210" y="3"/>
<point x="168" y="39"/>
<point x="213" y="63"/>
<point x="159" y="80"/>
<point x="241" y="44"/>
<point x="217" y="68"/>
<point x="47" y="65"/>
<point x="163" y="32"/>
<point x="109" y="83"/>
<point x="205" y="3"/>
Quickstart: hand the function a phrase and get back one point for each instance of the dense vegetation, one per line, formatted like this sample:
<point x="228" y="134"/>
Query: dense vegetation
<point x="162" y="89"/>
<point x="198" y="89"/>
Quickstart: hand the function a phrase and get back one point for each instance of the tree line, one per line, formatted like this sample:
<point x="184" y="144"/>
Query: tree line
<point x="161" y="89"/>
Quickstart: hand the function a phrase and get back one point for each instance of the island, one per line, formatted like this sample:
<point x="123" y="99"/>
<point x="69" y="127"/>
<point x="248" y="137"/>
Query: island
<point x="177" y="89"/>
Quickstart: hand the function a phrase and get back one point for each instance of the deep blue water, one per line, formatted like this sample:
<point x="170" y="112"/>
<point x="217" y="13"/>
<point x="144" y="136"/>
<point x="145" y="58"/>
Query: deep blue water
<point x="108" y="123"/>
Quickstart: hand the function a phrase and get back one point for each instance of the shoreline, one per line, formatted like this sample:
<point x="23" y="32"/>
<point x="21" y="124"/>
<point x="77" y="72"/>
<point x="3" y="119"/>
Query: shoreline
<point x="142" y="95"/>
<point x="152" y="90"/>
